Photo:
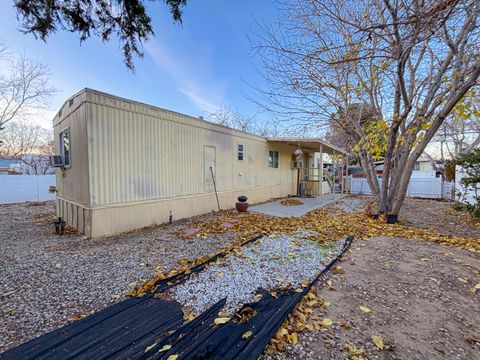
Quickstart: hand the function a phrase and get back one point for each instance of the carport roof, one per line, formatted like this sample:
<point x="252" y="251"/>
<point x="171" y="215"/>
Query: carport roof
<point x="310" y="144"/>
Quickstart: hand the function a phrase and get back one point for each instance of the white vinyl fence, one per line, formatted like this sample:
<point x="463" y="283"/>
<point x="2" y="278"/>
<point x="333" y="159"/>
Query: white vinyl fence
<point x="424" y="187"/>
<point x="21" y="188"/>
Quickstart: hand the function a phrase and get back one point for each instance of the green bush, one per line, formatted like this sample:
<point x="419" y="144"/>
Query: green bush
<point x="471" y="163"/>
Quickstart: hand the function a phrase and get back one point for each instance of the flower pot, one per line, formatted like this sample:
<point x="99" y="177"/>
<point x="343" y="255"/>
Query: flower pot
<point x="392" y="218"/>
<point x="241" y="206"/>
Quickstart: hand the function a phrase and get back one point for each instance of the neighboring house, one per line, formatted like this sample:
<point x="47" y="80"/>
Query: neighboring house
<point x="423" y="168"/>
<point x="30" y="164"/>
<point x="423" y="164"/>
<point x="10" y="167"/>
<point x="128" y="165"/>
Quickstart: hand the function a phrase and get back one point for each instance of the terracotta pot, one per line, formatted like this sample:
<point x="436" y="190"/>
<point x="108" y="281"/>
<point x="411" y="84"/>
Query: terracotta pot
<point x="241" y="206"/>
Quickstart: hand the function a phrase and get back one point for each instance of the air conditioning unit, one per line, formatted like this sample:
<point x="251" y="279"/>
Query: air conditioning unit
<point x="298" y="164"/>
<point x="56" y="160"/>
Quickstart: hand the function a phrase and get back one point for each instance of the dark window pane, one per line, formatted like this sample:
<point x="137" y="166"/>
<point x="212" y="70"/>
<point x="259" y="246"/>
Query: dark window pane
<point x="65" y="143"/>
<point x="273" y="159"/>
<point x="240" y="152"/>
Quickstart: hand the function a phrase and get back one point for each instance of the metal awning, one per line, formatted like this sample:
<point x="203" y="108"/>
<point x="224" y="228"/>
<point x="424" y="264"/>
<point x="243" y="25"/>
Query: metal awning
<point x="309" y="144"/>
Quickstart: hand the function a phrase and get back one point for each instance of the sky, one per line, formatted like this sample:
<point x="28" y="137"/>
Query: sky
<point x="192" y="68"/>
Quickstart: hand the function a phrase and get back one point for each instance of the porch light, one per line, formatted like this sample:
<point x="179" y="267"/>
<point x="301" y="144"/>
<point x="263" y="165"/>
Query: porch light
<point x="298" y="153"/>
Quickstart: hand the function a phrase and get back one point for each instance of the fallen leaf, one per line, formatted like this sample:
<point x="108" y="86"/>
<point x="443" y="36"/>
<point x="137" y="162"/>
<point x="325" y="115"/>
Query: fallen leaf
<point x="173" y="357"/>
<point x="292" y="338"/>
<point x="425" y="259"/>
<point x="327" y="322"/>
<point x="246" y="335"/>
<point x="330" y="285"/>
<point x="388" y="264"/>
<point x="8" y="310"/>
<point x="327" y="303"/>
<point x="78" y="317"/>
<point x="221" y="274"/>
<point x="246" y="314"/>
<point x="365" y="309"/>
<point x="258" y="297"/>
<point x="353" y="351"/>
<point x="378" y="341"/>
<point x="274" y="294"/>
<point x="475" y="288"/>
<point x="148" y="348"/>
<point x="282" y="331"/>
<point x="221" y="320"/>
<point x="165" y="348"/>
<point x="280" y="279"/>
<point x="462" y="280"/>
<point x="188" y="272"/>
<point x="7" y="294"/>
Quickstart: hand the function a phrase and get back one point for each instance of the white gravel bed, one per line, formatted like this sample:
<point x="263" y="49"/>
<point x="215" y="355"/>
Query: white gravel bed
<point x="45" y="279"/>
<point x="351" y="203"/>
<point x="269" y="263"/>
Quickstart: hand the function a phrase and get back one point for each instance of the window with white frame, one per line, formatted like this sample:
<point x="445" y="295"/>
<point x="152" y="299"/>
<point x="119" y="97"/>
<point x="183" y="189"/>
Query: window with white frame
<point x="273" y="159"/>
<point x="240" y="152"/>
<point x="65" y="146"/>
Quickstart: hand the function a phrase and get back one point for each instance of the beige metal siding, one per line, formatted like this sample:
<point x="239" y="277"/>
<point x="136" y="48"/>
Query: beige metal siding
<point x="132" y="163"/>
<point x="143" y="154"/>
<point x="72" y="183"/>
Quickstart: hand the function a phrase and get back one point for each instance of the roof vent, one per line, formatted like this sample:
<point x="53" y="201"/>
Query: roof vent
<point x="201" y="117"/>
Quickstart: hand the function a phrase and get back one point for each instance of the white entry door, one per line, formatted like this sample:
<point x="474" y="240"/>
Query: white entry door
<point x="209" y="161"/>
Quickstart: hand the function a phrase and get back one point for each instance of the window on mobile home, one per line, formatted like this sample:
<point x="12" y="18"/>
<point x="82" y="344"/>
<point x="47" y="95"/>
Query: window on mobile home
<point x="273" y="159"/>
<point x="240" y="152"/>
<point x="65" y="146"/>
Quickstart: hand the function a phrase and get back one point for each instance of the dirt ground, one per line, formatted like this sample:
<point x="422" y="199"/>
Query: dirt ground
<point x="439" y="215"/>
<point x="421" y="295"/>
<point x="420" y="301"/>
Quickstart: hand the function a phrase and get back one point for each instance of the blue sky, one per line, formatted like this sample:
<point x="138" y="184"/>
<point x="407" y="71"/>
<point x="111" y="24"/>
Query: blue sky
<point x="192" y="69"/>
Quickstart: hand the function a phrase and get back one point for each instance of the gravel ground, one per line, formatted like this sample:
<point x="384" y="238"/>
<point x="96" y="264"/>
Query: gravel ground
<point x="46" y="279"/>
<point x="269" y="263"/>
<point x="351" y="203"/>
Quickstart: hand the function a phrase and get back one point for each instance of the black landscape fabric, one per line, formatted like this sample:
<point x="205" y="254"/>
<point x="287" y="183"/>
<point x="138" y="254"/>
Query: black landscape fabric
<point x="138" y="328"/>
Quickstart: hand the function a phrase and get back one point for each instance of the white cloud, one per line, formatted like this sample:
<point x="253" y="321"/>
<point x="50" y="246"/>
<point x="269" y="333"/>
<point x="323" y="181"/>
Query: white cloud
<point x="201" y="88"/>
<point x="199" y="101"/>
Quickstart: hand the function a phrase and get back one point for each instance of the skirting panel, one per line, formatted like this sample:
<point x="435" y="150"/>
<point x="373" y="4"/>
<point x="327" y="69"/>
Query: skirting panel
<point x="75" y="215"/>
<point x="120" y="218"/>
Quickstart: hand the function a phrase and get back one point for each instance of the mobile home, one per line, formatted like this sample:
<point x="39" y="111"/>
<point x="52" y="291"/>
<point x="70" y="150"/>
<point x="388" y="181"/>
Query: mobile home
<point x="127" y="165"/>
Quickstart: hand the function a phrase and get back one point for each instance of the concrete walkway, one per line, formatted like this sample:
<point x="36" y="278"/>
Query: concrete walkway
<point x="275" y="208"/>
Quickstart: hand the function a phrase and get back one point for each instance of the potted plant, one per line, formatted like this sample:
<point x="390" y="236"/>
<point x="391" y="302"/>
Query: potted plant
<point x="241" y="205"/>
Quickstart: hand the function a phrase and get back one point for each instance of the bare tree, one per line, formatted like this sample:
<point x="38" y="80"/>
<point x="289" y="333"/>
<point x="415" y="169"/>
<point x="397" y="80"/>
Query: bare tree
<point x="226" y="116"/>
<point x="24" y="88"/>
<point x="411" y="61"/>
<point x="29" y="143"/>
<point x="460" y="133"/>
